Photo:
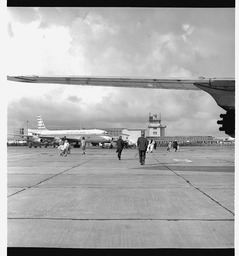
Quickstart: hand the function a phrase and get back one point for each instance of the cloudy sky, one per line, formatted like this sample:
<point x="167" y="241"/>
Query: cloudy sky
<point x="138" y="42"/>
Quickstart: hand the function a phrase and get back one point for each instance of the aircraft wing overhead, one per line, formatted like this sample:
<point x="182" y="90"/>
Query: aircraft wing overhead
<point x="177" y="84"/>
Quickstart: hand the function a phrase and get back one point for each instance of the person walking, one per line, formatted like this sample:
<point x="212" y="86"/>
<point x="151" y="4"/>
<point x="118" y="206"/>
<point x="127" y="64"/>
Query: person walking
<point x="147" y="151"/>
<point x="120" y="145"/>
<point x="155" y="145"/>
<point x="83" y="144"/>
<point x="175" y="145"/>
<point x="61" y="148"/>
<point x="142" y="144"/>
<point x="150" y="147"/>
<point x="169" y="146"/>
<point x="65" y="148"/>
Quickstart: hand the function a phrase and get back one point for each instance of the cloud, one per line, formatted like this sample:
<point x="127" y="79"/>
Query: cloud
<point x="179" y="110"/>
<point x="74" y="99"/>
<point x="88" y="40"/>
<point x="188" y="31"/>
<point x="23" y="15"/>
<point x="123" y="107"/>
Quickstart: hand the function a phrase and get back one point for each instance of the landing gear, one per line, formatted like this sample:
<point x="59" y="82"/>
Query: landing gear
<point x="77" y="145"/>
<point x="228" y="123"/>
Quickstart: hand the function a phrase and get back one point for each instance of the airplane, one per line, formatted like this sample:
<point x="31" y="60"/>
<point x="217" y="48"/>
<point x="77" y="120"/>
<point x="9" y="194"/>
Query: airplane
<point x="225" y="139"/>
<point x="221" y="89"/>
<point x="93" y="136"/>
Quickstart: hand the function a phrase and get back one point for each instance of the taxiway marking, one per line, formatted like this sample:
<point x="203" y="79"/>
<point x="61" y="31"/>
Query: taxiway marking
<point x="183" y="160"/>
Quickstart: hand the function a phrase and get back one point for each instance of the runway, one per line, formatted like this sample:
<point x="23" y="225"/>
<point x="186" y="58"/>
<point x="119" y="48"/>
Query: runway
<point x="179" y="199"/>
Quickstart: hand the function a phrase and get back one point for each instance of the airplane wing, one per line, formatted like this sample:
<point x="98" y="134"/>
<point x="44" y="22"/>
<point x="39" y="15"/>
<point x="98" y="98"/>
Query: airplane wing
<point x="77" y="138"/>
<point x="57" y="138"/>
<point x="152" y="83"/>
<point x="183" y="84"/>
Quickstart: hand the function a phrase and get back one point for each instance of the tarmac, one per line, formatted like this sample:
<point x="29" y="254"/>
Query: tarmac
<point x="179" y="199"/>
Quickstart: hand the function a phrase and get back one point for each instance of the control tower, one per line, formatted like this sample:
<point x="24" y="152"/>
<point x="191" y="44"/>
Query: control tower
<point x="155" y="128"/>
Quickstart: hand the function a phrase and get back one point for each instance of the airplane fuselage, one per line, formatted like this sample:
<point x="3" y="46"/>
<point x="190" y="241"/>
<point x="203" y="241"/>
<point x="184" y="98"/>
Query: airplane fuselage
<point x="68" y="132"/>
<point x="91" y="136"/>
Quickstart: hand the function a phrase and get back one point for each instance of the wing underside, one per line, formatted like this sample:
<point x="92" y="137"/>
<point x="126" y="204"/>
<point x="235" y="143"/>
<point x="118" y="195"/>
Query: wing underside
<point x="177" y="84"/>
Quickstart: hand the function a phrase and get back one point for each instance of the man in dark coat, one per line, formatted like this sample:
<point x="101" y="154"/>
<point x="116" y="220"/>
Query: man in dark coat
<point x="142" y="144"/>
<point x="120" y="146"/>
<point x="175" y="145"/>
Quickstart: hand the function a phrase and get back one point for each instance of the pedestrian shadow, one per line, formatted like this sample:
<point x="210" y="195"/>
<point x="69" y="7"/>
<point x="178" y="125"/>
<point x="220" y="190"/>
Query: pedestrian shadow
<point x="191" y="168"/>
<point x="206" y="168"/>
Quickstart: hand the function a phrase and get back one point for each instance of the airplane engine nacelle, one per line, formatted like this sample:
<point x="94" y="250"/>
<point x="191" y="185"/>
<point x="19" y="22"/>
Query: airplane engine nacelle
<point x="228" y="123"/>
<point x="37" y="139"/>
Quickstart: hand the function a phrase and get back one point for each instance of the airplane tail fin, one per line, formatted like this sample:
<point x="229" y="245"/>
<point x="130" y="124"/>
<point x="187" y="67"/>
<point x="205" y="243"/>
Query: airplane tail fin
<point x="40" y="123"/>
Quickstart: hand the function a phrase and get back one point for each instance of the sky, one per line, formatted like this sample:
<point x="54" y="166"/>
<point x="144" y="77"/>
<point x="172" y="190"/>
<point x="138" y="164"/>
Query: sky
<point x="132" y="42"/>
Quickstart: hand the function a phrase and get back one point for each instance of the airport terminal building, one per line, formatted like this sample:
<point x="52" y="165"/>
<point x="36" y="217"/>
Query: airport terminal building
<point x="156" y="131"/>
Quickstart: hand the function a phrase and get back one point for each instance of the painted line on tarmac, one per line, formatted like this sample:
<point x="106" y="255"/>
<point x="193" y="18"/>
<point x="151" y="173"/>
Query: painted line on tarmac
<point x="183" y="160"/>
<point x="53" y="176"/>
<point x="17" y="192"/>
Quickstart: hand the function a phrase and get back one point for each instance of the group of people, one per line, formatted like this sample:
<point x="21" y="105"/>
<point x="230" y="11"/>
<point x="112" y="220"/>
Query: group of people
<point x="144" y="146"/>
<point x="65" y="147"/>
<point x="173" y="145"/>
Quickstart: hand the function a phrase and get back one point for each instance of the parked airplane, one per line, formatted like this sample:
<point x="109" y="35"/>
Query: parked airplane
<point x="94" y="136"/>
<point x="221" y="89"/>
<point x="225" y="139"/>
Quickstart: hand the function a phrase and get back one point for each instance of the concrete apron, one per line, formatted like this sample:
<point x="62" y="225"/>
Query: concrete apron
<point x="97" y="201"/>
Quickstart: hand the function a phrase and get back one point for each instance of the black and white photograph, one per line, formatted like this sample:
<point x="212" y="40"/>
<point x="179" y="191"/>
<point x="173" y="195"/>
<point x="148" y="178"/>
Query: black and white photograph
<point x="120" y="127"/>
